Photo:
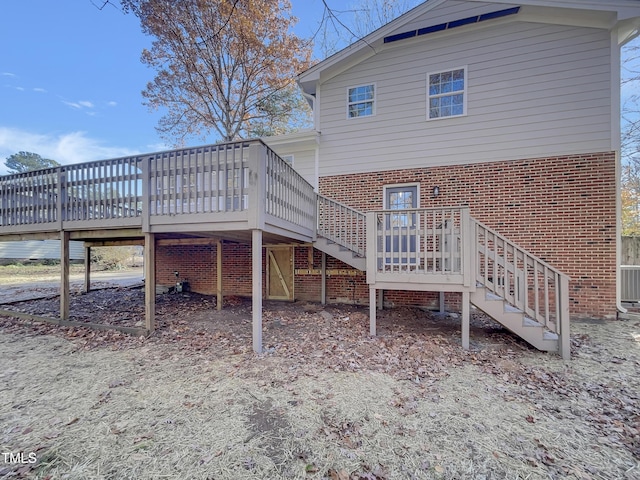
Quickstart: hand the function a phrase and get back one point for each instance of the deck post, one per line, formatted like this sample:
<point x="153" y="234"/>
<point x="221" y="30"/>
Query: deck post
<point x="146" y="194"/>
<point x="380" y="299"/>
<point x="150" y="281"/>
<point x="323" y="280"/>
<point x="64" y="275"/>
<point x="565" y="337"/>
<point x="219" y="275"/>
<point x="371" y="248"/>
<point x="441" y="302"/>
<point x="87" y="269"/>
<point x="257" y="162"/>
<point x="256" y="269"/>
<point x="372" y="310"/>
<point x="465" y="319"/>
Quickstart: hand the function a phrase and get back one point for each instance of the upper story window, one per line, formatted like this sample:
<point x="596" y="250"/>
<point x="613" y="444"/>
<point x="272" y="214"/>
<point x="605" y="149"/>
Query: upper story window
<point x="447" y="93"/>
<point x="361" y="101"/>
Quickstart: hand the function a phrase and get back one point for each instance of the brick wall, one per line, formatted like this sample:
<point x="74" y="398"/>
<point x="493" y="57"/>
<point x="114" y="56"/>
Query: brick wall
<point x="562" y="209"/>
<point x="197" y="265"/>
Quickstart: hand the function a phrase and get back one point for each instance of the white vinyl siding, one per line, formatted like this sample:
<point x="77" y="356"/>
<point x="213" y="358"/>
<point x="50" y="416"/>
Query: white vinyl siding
<point x="361" y="101"/>
<point x="533" y="90"/>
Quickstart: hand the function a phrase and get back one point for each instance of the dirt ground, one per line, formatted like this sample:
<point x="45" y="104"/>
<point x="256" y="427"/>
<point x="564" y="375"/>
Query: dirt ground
<point x="324" y="401"/>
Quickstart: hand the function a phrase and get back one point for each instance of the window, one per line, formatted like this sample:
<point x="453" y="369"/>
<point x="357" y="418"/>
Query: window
<point x="288" y="159"/>
<point x="401" y="198"/>
<point x="361" y="101"/>
<point x="447" y="94"/>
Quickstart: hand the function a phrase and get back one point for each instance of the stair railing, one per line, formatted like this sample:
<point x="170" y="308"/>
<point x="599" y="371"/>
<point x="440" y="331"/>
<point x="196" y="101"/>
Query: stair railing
<point x="524" y="281"/>
<point x="341" y="224"/>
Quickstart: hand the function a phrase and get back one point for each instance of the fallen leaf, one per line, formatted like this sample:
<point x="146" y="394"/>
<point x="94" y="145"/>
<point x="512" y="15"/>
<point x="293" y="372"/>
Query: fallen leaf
<point x="338" y="475"/>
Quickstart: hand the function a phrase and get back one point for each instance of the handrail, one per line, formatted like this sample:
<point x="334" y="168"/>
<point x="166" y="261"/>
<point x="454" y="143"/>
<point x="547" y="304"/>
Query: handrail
<point x="421" y="241"/>
<point x="523" y="280"/>
<point x="341" y="224"/>
<point x="200" y="183"/>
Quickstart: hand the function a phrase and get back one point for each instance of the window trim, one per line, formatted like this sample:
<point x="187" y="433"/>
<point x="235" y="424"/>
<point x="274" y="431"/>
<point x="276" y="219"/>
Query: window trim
<point x="373" y="101"/>
<point x="464" y="93"/>
<point x="289" y="158"/>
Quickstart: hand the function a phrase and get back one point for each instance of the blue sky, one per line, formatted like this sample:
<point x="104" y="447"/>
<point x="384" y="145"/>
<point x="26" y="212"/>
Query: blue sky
<point x="71" y="77"/>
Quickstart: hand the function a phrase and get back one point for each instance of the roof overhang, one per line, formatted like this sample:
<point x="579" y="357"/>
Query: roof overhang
<point x="623" y="15"/>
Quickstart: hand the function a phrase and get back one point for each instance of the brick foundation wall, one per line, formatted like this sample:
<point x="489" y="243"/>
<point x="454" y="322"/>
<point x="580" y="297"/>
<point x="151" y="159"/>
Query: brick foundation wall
<point x="197" y="265"/>
<point x="562" y="209"/>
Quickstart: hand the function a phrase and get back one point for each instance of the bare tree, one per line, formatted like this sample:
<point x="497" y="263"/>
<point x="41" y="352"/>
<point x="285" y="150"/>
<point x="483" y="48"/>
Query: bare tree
<point x="340" y="28"/>
<point x="630" y="154"/>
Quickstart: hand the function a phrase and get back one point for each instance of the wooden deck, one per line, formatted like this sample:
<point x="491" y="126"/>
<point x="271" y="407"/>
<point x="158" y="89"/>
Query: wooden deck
<point x="239" y="191"/>
<point x="227" y="189"/>
<point x="243" y="191"/>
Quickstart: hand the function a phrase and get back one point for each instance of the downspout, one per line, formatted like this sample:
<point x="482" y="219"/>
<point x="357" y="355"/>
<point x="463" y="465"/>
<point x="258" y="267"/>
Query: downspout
<point x="616" y="145"/>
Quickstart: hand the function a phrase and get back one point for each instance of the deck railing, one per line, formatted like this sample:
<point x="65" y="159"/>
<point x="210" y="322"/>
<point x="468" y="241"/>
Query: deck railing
<point x="525" y="281"/>
<point x="208" y="179"/>
<point x="198" y="184"/>
<point x="342" y="225"/>
<point x="30" y="198"/>
<point x="289" y="196"/>
<point x="423" y="241"/>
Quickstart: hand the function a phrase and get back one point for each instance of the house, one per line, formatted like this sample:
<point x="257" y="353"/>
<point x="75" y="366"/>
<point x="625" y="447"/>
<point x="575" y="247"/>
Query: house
<point x="38" y="250"/>
<point x="466" y="153"/>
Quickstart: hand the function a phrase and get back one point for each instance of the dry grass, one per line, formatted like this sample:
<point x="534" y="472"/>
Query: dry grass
<point x="159" y="408"/>
<point x="18" y="274"/>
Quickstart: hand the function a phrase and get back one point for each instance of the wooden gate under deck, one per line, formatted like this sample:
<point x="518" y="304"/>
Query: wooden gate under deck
<point x="280" y="273"/>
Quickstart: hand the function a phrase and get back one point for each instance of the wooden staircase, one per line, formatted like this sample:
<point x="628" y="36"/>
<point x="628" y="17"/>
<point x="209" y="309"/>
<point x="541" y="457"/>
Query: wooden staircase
<point x="446" y="250"/>
<point x="515" y="320"/>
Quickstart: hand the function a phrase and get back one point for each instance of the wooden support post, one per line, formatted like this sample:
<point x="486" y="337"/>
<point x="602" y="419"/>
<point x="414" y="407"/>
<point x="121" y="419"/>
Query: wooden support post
<point x="64" y="275"/>
<point x="150" y="281"/>
<point x="372" y="310"/>
<point x="87" y="269"/>
<point x="256" y="270"/>
<point x="323" y="282"/>
<point x="441" y="302"/>
<point x="219" y="275"/>
<point x="380" y="299"/>
<point x="465" y="320"/>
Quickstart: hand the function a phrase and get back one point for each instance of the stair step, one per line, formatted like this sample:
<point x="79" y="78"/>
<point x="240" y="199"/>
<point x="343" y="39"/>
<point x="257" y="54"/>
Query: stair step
<point x="530" y="322"/>
<point x="515" y="319"/>
<point x="511" y="309"/>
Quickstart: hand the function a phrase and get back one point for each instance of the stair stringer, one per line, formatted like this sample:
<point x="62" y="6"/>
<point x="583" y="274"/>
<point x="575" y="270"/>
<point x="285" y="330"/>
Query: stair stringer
<point x="341" y="253"/>
<point x="515" y="320"/>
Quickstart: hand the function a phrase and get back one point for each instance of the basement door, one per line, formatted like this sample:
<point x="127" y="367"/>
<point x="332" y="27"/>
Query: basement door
<point x="280" y="273"/>
<point x="401" y="228"/>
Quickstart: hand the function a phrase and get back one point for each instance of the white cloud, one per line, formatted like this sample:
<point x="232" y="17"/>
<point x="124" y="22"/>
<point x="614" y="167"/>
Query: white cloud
<point x="67" y="148"/>
<point x="72" y="104"/>
<point x="39" y="90"/>
<point x="112" y="103"/>
<point x="7" y="74"/>
<point x="79" y="104"/>
<point x="20" y="88"/>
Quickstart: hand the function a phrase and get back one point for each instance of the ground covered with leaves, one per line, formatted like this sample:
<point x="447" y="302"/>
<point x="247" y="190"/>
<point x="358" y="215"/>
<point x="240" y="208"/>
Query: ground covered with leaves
<point x="324" y="401"/>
